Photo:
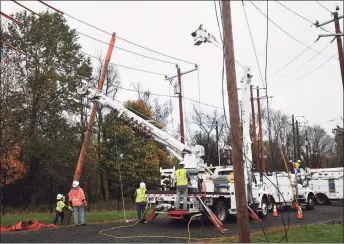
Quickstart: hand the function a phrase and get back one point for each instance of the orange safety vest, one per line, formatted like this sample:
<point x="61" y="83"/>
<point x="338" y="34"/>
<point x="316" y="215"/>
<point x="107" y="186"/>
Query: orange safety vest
<point x="77" y="197"/>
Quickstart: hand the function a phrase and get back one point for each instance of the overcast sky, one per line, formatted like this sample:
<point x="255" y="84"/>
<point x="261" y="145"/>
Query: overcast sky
<point x="166" y="27"/>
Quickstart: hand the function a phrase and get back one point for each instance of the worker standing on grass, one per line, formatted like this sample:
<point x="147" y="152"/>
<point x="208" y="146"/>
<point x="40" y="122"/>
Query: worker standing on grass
<point x="59" y="208"/>
<point x="140" y="200"/>
<point x="183" y="179"/>
<point x="78" y="201"/>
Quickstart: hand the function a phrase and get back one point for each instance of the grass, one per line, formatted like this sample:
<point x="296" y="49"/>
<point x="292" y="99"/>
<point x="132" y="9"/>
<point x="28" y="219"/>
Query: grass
<point x="90" y="217"/>
<point x="321" y="233"/>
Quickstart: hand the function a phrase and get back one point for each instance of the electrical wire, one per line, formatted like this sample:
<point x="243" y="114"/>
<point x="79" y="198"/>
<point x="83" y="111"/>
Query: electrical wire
<point x="308" y="61"/>
<point x="302" y="17"/>
<point x="288" y="34"/>
<point x="121" y="38"/>
<point x="123" y="66"/>
<point x="125" y="50"/>
<point x="254" y="48"/>
<point x="324" y="7"/>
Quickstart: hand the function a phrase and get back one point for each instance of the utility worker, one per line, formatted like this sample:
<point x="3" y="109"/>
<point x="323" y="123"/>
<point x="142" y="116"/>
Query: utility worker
<point x="183" y="178"/>
<point x="140" y="199"/>
<point x="78" y="201"/>
<point x="231" y="177"/>
<point x="59" y="208"/>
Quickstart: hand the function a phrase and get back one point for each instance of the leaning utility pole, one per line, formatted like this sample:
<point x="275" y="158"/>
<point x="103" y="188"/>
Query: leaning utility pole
<point x="238" y="162"/>
<point x="298" y="141"/>
<point x="338" y="37"/>
<point x="254" y="132"/>
<point x="260" y="133"/>
<point x="294" y="142"/>
<point x="88" y="134"/>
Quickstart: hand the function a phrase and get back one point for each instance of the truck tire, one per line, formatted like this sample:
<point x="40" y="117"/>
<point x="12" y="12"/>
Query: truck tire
<point x="221" y="211"/>
<point x="271" y="204"/>
<point x="322" y="199"/>
<point x="264" y="209"/>
<point x="310" y="202"/>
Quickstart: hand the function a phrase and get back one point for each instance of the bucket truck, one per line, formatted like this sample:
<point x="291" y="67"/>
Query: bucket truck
<point x="328" y="184"/>
<point x="209" y="190"/>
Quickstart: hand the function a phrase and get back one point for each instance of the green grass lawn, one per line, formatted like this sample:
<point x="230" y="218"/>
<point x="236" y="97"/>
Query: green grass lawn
<point x="92" y="217"/>
<point x="331" y="233"/>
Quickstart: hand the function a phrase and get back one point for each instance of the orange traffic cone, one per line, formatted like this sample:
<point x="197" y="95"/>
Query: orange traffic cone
<point x="274" y="212"/>
<point x="299" y="213"/>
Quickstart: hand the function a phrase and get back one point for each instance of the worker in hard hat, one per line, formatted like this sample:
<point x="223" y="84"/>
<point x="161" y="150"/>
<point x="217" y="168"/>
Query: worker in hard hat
<point x="183" y="178"/>
<point x="140" y="200"/>
<point x="78" y="201"/>
<point x="59" y="208"/>
<point x="231" y="177"/>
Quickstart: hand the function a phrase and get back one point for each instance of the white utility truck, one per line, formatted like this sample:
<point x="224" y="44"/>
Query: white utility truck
<point x="327" y="184"/>
<point x="208" y="191"/>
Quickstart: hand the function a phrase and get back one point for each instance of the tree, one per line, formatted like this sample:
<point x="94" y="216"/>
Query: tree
<point x="46" y="80"/>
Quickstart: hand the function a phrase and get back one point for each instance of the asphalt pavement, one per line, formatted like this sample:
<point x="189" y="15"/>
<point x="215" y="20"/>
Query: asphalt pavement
<point x="164" y="227"/>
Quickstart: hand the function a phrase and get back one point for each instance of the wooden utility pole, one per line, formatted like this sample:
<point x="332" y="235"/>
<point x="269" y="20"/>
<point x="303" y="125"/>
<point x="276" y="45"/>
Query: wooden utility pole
<point x="307" y="158"/>
<point x="217" y="141"/>
<point x="88" y="134"/>
<point x="260" y="133"/>
<point x="298" y="141"/>
<point x="294" y="142"/>
<point x="238" y="162"/>
<point x="254" y="132"/>
<point x="338" y="35"/>
<point x="181" y="116"/>
<point x="339" y="45"/>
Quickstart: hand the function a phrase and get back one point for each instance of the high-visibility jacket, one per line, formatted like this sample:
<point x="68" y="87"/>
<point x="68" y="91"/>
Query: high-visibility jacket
<point x="181" y="177"/>
<point x="76" y="196"/>
<point x="60" y="205"/>
<point x="231" y="177"/>
<point x="140" y="195"/>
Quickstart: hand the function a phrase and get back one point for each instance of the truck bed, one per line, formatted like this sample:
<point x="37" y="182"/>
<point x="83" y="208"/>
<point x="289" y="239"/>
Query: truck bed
<point x="159" y="192"/>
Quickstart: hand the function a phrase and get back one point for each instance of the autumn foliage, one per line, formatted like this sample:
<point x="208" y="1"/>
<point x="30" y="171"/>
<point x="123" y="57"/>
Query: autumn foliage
<point x="12" y="168"/>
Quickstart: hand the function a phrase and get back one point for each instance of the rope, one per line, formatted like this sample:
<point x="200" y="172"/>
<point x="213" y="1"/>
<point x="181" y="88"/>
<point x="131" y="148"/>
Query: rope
<point x="119" y="169"/>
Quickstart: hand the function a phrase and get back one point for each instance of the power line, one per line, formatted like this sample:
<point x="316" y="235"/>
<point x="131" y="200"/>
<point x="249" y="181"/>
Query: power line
<point x="123" y="66"/>
<point x="285" y="31"/>
<point x="309" y="72"/>
<point x="123" y="39"/>
<point x="254" y="48"/>
<point x="324" y="7"/>
<point x="119" y="48"/>
<point x="218" y="23"/>
<point x="302" y="17"/>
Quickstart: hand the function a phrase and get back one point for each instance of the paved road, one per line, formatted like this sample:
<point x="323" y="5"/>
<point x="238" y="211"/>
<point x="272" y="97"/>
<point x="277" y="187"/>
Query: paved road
<point x="165" y="227"/>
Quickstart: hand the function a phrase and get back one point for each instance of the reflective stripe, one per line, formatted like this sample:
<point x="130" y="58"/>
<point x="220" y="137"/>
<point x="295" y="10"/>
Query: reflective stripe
<point x="140" y="195"/>
<point x="181" y="177"/>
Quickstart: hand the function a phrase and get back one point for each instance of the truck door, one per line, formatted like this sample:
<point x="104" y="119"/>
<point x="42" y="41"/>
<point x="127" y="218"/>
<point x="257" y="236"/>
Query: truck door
<point x="332" y="188"/>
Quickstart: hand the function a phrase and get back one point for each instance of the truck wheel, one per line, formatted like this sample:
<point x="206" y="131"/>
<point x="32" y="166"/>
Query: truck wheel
<point x="322" y="199"/>
<point x="310" y="202"/>
<point x="221" y="211"/>
<point x="271" y="204"/>
<point x="264" y="209"/>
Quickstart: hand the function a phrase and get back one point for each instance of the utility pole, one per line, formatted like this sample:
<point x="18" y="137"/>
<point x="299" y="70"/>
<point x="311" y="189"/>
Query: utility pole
<point x="217" y="141"/>
<point x="298" y="141"/>
<point x="307" y="158"/>
<point x="338" y="35"/>
<point x="260" y="133"/>
<point x="238" y="162"/>
<point x="178" y="90"/>
<point x="294" y="143"/>
<point x="81" y="160"/>
<point x="255" y="145"/>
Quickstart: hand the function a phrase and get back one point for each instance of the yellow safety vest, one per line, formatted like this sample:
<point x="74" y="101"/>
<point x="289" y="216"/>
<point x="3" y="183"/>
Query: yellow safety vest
<point x="180" y="175"/>
<point x="231" y="177"/>
<point x="60" y="205"/>
<point x="140" y="195"/>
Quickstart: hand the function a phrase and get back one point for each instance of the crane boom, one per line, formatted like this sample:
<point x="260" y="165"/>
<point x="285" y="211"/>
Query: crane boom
<point x="191" y="157"/>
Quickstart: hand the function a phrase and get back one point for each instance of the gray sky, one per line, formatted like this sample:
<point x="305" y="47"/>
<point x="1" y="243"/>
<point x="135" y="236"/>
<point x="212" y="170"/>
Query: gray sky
<point x="166" y="27"/>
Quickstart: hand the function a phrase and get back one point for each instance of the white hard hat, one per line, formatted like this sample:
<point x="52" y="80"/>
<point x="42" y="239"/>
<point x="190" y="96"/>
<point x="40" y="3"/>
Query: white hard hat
<point x="75" y="183"/>
<point x="290" y="161"/>
<point x="182" y="163"/>
<point x="59" y="196"/>
<point x="298" y="161"/>
<point x="143" y="185"/>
